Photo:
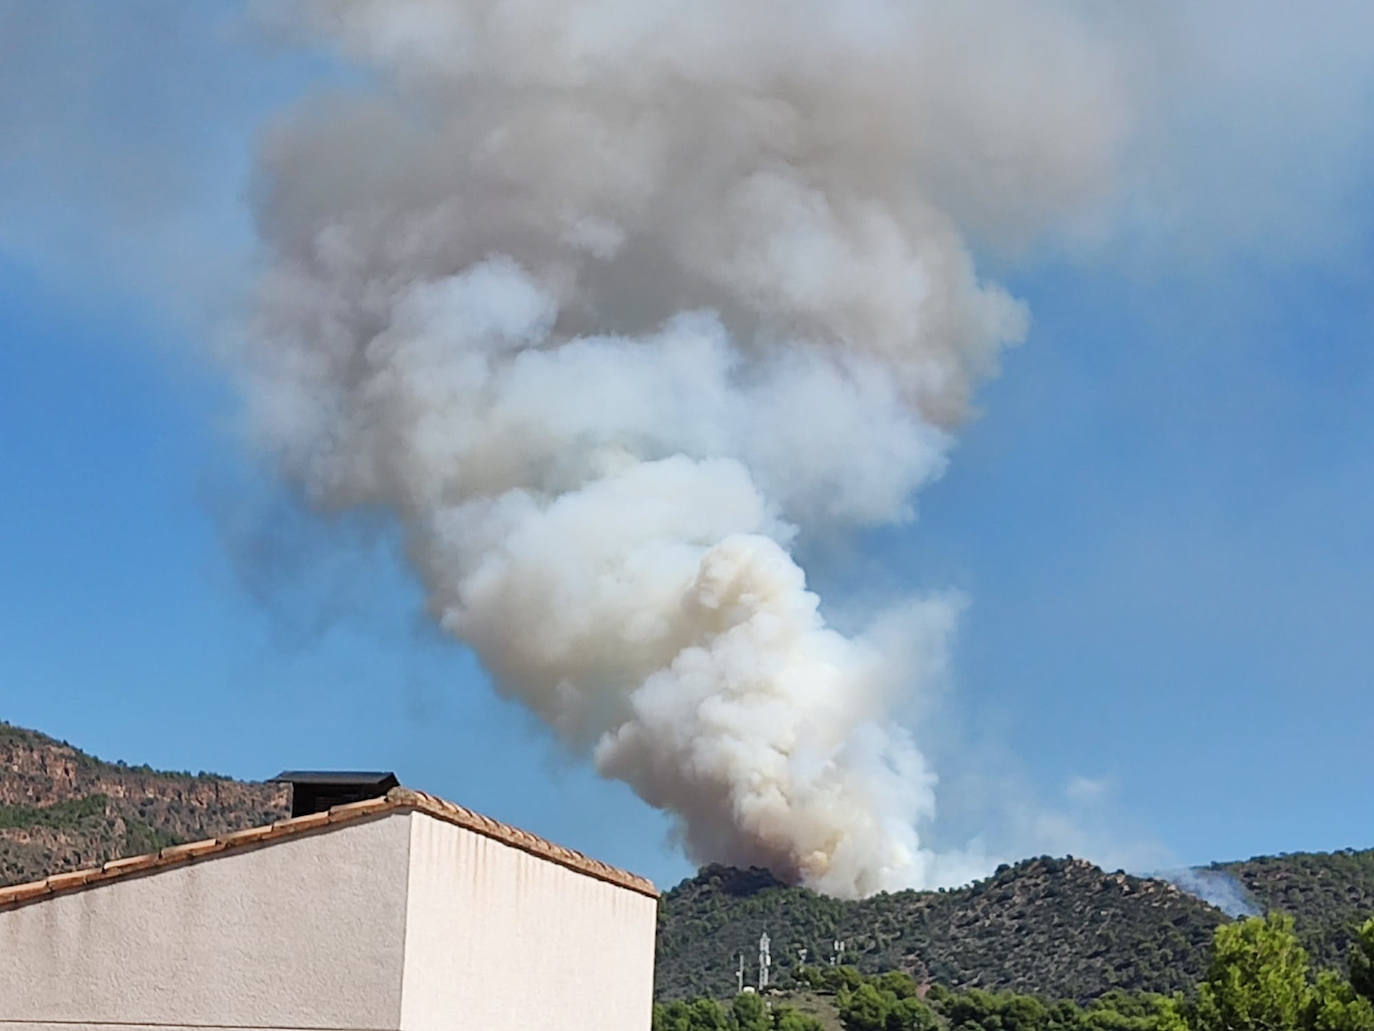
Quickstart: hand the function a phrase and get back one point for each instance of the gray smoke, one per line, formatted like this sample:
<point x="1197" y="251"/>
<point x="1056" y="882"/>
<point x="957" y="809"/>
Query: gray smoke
<point x="1214" y="887"/>
<point x="613" y="302"/>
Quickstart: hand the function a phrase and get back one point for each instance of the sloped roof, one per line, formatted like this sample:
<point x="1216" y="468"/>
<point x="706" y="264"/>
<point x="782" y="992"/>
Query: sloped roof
<point x="396" y="800"/>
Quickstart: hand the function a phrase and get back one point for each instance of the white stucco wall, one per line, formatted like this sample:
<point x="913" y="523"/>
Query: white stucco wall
<point x="302" y="933"/>
<point x="498" y="940"/>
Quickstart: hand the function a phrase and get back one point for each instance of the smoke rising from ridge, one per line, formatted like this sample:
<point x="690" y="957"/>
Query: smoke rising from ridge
<point x="1218" y="888"/>
<point x="612" y="303"/>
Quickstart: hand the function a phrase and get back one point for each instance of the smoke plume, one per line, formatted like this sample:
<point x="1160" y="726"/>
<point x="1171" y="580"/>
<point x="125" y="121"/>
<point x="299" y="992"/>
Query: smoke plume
<point x="615" y="302"/>
<point x="1218" y="888"/>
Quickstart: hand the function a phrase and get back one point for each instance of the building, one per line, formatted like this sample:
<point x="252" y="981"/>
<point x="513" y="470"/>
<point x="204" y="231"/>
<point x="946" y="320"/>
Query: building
<point x="399" y="912"/>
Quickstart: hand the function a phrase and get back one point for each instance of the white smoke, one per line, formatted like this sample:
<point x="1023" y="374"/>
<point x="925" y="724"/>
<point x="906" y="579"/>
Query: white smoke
<point x="1218" y="888"/>
<point x="610" y="301"/>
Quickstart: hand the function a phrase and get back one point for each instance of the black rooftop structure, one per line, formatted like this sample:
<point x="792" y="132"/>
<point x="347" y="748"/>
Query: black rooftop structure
<point x="313" y="791"/>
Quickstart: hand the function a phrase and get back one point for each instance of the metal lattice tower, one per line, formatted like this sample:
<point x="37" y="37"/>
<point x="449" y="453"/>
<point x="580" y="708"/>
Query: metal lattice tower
<point x="765" y="960"/>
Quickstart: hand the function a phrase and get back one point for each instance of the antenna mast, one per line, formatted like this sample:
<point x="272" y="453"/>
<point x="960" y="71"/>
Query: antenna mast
<point x="765" y="960"/>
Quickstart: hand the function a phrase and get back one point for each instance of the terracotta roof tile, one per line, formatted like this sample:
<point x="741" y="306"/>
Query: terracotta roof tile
<point x="131" y="864"/>
<point x="246" y="837"/>
<point x="67" y="881"/>
<point x="396" y="800"/>
<point x="191" y="850"/>
<point x="308" y="822"/>
<point x="353" y="810"/>
<point x="27" y="892"/>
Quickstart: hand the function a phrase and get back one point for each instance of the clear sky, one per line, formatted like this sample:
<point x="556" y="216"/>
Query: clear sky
<point x="1161" y="518"/>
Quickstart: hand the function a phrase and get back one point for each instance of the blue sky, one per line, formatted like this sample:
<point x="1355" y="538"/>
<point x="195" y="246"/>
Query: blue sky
<point x="1161" y="518"/>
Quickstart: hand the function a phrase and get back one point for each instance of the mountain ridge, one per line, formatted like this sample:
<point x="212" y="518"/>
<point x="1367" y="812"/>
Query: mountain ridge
<point x="62" y="809"/>
<point x="1057" y="927"/>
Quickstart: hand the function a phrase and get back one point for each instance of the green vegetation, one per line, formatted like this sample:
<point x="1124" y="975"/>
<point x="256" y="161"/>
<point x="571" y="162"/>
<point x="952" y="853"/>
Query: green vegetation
<point x="1259" y="979"/>
<point x="1327" y="894"/>
<point x="58" y="816"/>
<point x="895" y="1002"/>
<point x="1061" y="927"/>
<point x="1057" y="927"/>
<point x="889" y="1002"/>
<point x="105" y="828"/>
<point x="139" y="838"/>
<point x="1362" y="960"/>
<point x="748" y="1012"/>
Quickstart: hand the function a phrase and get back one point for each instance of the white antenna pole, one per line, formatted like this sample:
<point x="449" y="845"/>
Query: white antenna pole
<point x="739" y="976"/>
<point x="765" y="961"/>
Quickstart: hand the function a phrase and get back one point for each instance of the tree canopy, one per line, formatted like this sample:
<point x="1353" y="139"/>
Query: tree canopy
<point x="1260" y="978"/>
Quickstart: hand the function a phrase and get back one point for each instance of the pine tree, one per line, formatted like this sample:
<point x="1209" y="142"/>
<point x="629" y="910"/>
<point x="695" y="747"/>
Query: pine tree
<point x="1362" y="961"/>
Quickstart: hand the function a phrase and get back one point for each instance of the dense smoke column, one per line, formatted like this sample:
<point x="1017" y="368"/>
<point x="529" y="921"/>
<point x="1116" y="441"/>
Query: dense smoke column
<point x="610" y="301"/>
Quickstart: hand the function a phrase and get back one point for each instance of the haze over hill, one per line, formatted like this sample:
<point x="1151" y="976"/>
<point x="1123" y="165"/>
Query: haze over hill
<point x="1056" y="927"/>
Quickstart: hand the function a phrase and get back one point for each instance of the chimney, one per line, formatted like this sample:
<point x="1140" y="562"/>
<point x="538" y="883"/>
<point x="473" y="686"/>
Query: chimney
<point x="313" y="791"/>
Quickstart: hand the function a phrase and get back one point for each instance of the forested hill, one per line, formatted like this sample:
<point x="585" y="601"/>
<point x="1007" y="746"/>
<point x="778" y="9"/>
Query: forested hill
<point x="1052" y="927"/>
<point x="1326" y="893"/>
<point x="1058" y="928"/>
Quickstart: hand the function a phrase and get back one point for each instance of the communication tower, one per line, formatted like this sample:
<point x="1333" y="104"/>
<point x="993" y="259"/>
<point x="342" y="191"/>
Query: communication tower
<point x="765" y="960"/>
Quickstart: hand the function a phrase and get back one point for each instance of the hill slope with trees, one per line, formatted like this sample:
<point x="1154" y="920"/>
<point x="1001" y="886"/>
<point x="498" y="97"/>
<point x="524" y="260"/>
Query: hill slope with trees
<point x="1259" y="978"/>
<point x="1061" y="927"/>
<point x="1327" y="894"/>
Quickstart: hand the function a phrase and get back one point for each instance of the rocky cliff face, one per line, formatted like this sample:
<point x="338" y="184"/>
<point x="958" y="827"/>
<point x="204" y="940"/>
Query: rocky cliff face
<point x="61" y="809"/>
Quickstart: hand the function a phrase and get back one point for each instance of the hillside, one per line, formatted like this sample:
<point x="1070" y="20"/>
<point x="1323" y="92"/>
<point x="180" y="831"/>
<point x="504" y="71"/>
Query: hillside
<point x="1062" y="928"/>
<point x="1059" y="928"/>
<point x="61" y="809"/>
<point x="1327" y="894"/>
